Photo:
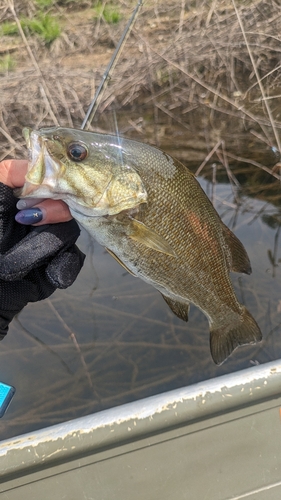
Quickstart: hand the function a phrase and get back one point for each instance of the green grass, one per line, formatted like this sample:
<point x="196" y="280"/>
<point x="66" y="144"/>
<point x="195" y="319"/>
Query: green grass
<point x="44" y="25"/>
<point x="8" y="29"/>
<point x="44" y="4"/>
<point x="7" y="63"/>
<point x="109" y="12"/>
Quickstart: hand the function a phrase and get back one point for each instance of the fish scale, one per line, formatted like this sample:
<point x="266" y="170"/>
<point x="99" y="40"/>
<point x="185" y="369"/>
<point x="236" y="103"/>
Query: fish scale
<point x="151" y="214"/>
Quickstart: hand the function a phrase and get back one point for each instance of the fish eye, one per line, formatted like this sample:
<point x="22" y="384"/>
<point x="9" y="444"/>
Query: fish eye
<point x="77" y="152"/>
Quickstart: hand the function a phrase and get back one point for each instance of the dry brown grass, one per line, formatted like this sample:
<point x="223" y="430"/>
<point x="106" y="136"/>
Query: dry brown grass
<point x="191" y="75"/>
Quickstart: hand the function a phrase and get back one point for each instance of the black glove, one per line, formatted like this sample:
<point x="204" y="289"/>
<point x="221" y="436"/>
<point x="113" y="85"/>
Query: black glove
<point x="34" y="261"/>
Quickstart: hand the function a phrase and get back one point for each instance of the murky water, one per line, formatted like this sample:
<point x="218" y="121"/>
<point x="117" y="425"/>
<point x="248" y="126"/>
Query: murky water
<point x="111" y="338"/>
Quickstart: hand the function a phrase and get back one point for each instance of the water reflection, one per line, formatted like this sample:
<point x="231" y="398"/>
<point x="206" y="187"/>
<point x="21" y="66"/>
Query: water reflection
<point x="274" y="221"/>
<point x="111" y="338"/>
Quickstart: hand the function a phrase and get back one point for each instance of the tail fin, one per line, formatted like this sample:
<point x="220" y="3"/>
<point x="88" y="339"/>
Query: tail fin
<point x="224" y="340"/>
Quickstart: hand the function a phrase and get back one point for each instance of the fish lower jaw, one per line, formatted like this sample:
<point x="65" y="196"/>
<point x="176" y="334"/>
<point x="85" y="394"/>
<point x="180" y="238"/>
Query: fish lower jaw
<point x="96" y="211"/>
<point x="84" y="212"/>
<point x="30" y="190"/>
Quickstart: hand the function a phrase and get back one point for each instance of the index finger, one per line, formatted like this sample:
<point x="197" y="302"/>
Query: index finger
<point x="12" y="172"/>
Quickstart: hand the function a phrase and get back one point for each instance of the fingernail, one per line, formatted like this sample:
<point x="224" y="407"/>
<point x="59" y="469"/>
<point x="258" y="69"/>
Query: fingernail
<point x="28" y="202"/>
<point x="29" y="216"/>
<point x="21" y="204"/>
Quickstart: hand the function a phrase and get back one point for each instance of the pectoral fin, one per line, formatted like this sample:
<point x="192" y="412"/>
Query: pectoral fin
<point x="179" y="309"/>
<point x="142" y="234"/>
<point x="119" y="261"/>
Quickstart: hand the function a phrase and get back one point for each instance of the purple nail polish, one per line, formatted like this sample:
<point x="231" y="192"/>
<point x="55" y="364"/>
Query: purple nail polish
<point x="29" y="216"/>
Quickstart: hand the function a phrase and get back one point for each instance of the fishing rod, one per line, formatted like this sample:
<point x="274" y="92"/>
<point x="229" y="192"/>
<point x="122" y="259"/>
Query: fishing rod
<point x="109" y="70"/>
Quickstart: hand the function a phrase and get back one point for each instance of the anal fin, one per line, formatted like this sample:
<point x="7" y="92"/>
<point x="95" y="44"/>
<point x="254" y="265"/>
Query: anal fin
<point x="180" y="309"/>
<point x="240" y="262"/>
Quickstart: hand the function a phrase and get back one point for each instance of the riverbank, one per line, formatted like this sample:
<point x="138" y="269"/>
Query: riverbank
<point x="192" y="78"/>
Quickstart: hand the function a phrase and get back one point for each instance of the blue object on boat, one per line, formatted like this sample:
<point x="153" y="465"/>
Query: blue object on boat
<point x="6" y="394"/>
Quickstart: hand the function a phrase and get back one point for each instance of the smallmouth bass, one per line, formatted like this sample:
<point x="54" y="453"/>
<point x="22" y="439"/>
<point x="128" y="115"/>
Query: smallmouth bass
<point x="151" y="214"/>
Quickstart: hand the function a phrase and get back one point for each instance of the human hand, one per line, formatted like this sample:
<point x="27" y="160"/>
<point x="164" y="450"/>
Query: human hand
<point x="35" y="260"/>
<point x="12" y="174"/>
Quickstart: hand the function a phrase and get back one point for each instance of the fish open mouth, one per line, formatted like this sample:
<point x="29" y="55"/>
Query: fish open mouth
<point x="42" y="169"/>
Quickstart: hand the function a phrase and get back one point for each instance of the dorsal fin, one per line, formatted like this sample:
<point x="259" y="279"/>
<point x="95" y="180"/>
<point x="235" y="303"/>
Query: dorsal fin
<point x="240" y="262"/>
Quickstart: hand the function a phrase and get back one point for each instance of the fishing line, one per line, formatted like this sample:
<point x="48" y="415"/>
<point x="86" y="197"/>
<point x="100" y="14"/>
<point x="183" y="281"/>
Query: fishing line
<point x="118" y="137"/>
<point x="107" y="74"/>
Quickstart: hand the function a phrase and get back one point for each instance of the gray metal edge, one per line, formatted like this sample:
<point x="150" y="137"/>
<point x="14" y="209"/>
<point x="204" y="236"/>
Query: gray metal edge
<point x="108" y="428"/>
